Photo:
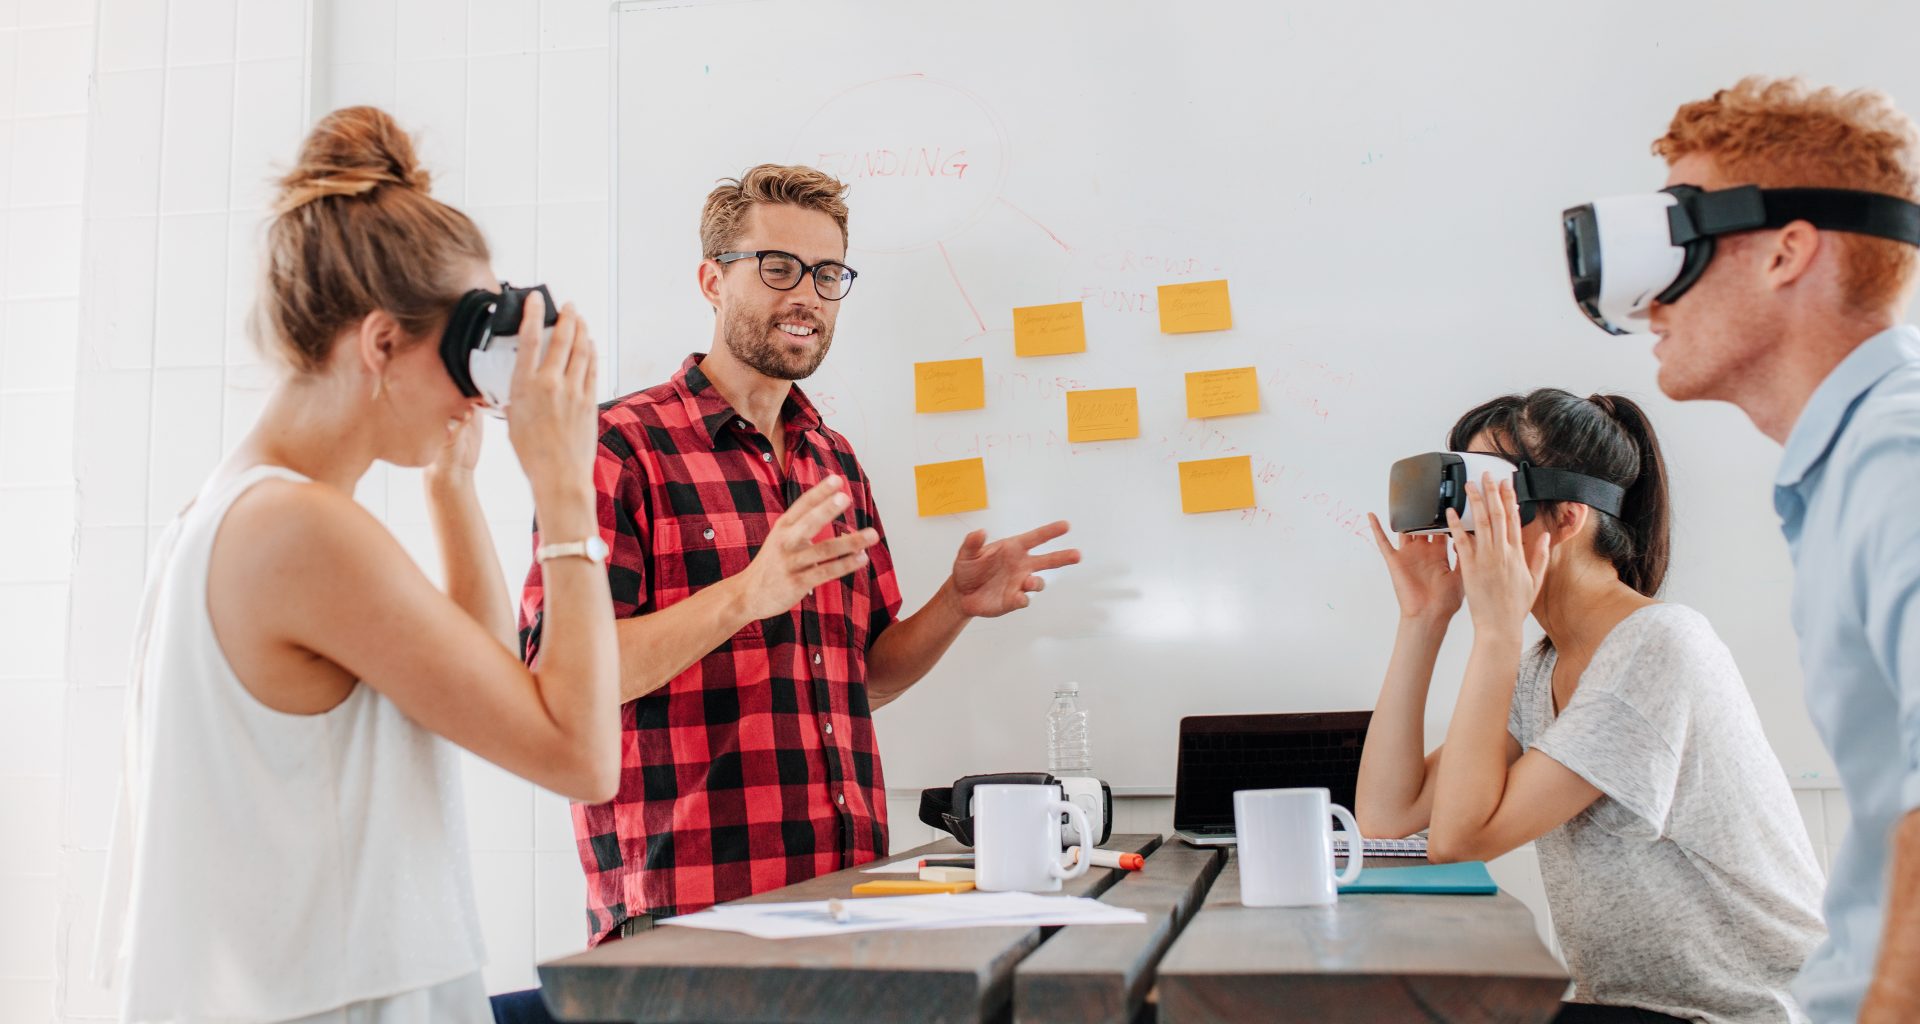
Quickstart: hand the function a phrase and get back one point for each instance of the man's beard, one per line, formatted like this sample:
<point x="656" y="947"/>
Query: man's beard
<point x="751" y="341"/>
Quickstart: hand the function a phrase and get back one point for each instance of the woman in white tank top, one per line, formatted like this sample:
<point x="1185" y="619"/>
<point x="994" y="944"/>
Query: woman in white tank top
<point x="291" y="838"/>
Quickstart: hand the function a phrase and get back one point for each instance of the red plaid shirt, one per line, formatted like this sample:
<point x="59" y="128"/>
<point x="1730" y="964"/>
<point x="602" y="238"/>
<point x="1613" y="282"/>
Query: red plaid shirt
<point x="757" y="767"/>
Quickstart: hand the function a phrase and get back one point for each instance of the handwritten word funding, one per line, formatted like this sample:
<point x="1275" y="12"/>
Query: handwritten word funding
<point x="905" y="162"/>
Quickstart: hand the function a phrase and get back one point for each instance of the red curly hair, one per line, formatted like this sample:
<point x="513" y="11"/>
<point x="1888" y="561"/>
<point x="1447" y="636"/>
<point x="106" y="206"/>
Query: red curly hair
<point x="1786" y="133"/>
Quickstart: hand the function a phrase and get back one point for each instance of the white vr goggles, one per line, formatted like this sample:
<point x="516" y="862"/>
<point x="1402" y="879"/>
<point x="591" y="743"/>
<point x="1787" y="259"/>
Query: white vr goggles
<point x="1421" y="489"/>
<point x="481" y="341"/>
<point x="1628" y="252"/>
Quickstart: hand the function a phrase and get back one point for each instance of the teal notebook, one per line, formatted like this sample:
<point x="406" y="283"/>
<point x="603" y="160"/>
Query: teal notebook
<point x="1468" y="878"/>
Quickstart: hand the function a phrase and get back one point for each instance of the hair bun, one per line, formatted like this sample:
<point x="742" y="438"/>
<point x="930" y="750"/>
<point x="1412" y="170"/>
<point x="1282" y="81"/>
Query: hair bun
<point x="351" y="152"/>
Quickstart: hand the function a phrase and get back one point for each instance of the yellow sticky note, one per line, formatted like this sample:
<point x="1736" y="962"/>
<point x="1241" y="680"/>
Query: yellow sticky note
<point x="1223" y="392"/>
<point x="1105" y="415"/>
<point x="1216" y="485"/>
<point x="949" y="385"/>
<point x="1054" y="330"/>
<point x="949" y="487"/>
<point x="1200" y="306"/>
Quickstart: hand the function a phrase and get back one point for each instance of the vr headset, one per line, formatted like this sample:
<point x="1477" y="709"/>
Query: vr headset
<point x="482" y="341"/>
<point x="1421" y="489"/>
<point x="950" y="808"/>
<point x="1627" y="252"/>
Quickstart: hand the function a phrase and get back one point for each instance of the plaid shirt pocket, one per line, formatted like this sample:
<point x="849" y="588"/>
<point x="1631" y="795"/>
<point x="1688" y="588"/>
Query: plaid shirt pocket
<point x="697" y="552"/>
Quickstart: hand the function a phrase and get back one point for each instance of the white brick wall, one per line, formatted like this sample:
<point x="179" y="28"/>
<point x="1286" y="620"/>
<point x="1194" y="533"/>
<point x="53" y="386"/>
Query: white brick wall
<point x="45" y="51"/>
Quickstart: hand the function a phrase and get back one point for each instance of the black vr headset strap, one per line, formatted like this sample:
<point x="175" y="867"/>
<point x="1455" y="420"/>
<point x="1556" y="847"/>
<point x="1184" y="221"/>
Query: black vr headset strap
<point x="1536" y="483"/>
<point x="950" y="808"/>
<point x="1833" y="209"/>
<point x="1750" y="208"/>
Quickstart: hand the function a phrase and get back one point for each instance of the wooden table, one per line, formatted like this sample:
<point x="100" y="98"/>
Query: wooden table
<point x="1367" y="958"/>
<point x="692" y="975"/>
<point x="1102" y="975"/>
<point x="1425" y="958"/>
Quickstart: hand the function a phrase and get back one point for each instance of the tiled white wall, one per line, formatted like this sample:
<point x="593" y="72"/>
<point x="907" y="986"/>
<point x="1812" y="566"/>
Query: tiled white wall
<point x="197" y="105"/>
<point x="507" y="101"/>
<point x="44" y="59"/>
<point x="191" y="100"/>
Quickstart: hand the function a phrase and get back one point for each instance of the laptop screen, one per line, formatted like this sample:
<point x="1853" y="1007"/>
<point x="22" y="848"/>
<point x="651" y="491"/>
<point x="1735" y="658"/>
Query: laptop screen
<point x="1222" y="754"/>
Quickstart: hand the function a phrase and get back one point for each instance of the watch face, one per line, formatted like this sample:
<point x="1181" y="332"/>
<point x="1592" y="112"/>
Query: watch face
<point x="597" y="548"/>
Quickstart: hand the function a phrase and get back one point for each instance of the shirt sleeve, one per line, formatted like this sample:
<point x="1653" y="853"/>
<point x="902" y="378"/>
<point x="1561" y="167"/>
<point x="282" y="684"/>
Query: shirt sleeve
<point x="620" y="503"/>
<point x="1629" y="749"/>
<point x="1883" y="491"/>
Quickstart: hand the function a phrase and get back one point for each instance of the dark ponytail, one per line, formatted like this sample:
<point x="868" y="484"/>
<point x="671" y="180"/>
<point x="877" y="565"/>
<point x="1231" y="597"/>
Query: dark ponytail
<point x="1606" y="436"/>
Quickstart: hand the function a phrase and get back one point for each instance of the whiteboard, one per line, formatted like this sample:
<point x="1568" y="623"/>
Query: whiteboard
<point x="1379" y="183"/>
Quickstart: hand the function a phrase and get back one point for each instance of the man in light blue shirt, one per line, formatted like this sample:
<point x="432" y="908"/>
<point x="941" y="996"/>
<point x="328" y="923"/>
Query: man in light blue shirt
<point x="1801" y="328"/>
<point x="1848" y="493"/>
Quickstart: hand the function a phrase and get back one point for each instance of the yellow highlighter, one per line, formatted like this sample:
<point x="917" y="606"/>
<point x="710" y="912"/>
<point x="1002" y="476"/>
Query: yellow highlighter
<point x="908" y="887"/>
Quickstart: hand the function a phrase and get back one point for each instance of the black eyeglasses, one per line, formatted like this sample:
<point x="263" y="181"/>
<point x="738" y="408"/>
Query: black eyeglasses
<point x="782" y="272"/>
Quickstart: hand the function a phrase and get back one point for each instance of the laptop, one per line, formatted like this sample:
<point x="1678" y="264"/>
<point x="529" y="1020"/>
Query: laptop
<point x="1222" y="754"/>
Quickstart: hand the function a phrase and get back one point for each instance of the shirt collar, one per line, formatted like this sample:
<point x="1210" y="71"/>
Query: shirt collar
<point x="1832" y="403"/>
<point x="705" y="404"/>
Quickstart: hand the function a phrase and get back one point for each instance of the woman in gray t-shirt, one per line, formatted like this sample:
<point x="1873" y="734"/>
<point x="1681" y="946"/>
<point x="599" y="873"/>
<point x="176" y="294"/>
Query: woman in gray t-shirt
<point x="1625" y="745"/>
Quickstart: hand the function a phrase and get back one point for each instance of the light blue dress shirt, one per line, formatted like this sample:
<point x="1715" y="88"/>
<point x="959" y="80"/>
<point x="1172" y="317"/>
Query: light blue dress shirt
<point x="1848" y="494"/>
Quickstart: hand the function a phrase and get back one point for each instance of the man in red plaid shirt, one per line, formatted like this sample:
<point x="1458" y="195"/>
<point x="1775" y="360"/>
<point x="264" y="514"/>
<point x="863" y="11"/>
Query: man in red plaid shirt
<point x="759" y="611"/>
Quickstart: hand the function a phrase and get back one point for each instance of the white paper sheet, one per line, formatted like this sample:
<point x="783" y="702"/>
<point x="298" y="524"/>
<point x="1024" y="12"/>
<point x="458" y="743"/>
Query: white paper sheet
<point x="907" y="913"/>
<point x="910" y="866"/>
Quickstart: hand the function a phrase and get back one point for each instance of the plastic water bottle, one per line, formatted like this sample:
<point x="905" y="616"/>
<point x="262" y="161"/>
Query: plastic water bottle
<point x="1068" y="750"/>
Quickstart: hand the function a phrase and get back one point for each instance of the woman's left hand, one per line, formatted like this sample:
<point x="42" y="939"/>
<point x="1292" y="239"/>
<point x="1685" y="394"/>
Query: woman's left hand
<point x="1501" y="572"/>
<point x="456" y="459"/>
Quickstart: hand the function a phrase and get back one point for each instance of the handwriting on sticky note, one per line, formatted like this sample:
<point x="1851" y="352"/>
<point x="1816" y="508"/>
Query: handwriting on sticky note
<point x="949" y="487"/>
<point x="1108" y="414"/>
<point x="1200" y="306"/>
<point x="1054" y="330"/>
<point x="949" y="385"/>
<point x="1216" y="485"/>
<point x="1223" y="392"/>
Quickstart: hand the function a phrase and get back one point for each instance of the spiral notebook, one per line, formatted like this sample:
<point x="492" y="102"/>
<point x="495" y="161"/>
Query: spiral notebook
<point x="1414" y="847"/>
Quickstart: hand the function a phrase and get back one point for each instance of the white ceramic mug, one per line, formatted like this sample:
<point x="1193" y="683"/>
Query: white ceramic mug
<point x="1286" y="849"/>
<point x="1016" y="838"/>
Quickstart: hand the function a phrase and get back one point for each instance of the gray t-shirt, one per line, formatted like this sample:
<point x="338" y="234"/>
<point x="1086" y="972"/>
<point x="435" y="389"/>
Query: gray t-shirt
<point x="1689" y="887"/>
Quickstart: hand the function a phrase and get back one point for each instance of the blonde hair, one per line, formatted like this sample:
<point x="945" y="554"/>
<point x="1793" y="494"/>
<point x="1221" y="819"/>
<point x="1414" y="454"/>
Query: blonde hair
<point x="1786" y="133"/>
<point x="355" y="230"/>
<point x="729" y="203"/>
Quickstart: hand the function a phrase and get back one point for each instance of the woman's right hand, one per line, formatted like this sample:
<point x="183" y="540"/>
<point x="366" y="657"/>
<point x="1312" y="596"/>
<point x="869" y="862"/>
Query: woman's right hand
<point x="552" y="416"/>
<point x="1427" y="586"/>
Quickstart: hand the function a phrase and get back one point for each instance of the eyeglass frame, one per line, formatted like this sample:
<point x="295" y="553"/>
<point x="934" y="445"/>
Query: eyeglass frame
<point x="806" y="270"/>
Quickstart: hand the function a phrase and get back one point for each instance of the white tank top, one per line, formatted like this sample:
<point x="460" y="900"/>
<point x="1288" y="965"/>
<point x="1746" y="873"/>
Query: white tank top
<point x="280" y="866"/>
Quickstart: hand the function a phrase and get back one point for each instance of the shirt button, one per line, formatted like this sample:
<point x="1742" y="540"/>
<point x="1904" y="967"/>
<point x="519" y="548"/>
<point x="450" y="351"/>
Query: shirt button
<point x="707" y="533"/>
<point x="840" y="798"/>
<point x="816" y="657"/>
<point x="766" y="456"/>
<point x="742" y="424"/>
<point x="829" y="728"/>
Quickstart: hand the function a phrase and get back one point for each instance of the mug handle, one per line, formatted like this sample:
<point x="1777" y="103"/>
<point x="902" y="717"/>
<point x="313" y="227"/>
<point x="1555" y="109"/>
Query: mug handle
<point x="1076" y="816"/>
<point x="1356" y="850"/>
